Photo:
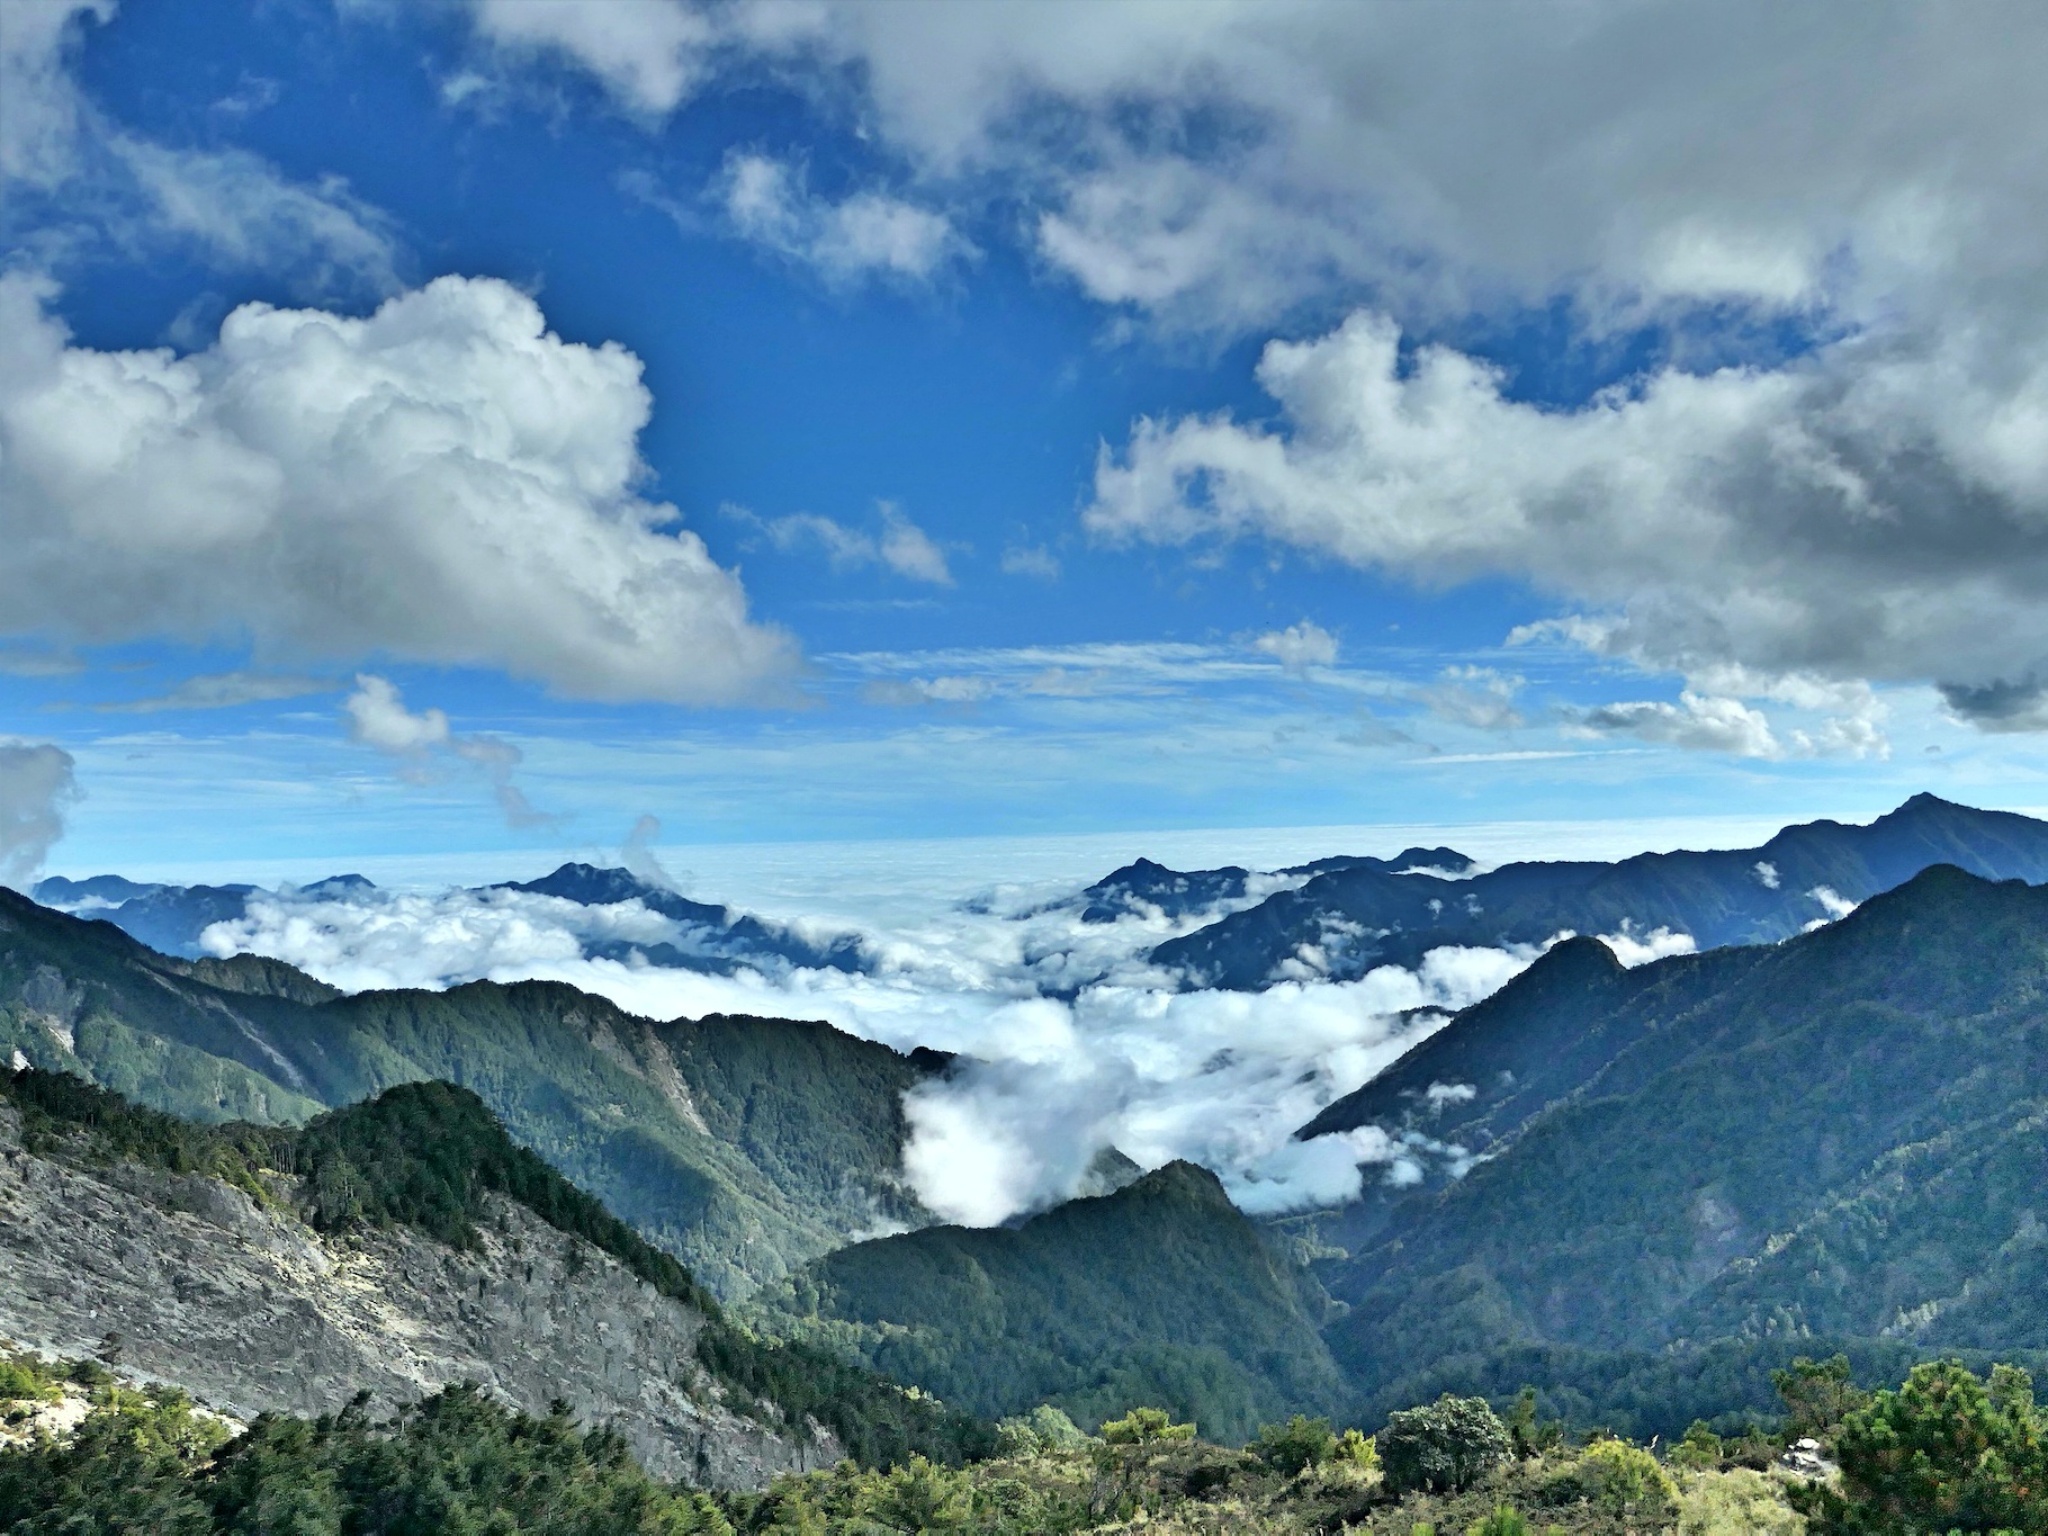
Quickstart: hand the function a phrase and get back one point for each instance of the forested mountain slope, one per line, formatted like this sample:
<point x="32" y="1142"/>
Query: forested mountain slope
<point x="1839" y="1137"/>
<point x="742" y="1145"/>
<point x="1161" y="1293"/>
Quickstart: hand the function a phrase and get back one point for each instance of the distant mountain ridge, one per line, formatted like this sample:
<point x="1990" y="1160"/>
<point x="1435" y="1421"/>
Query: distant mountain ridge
<point x="1346" y="920"/>
<point x="708" y="938"/>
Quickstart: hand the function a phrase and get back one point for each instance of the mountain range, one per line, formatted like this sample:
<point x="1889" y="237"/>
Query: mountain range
<point x="1349" y="916"/>
<point x="1634" y="1188"/>
<point x="699" y="936"/>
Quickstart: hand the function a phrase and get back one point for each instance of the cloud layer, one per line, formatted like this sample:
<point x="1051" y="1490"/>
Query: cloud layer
<point x="444" y="481"/>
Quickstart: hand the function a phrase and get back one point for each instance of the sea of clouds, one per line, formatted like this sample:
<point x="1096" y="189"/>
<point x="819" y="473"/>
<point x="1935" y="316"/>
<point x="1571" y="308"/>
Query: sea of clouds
<point x="1072" y="1042"/>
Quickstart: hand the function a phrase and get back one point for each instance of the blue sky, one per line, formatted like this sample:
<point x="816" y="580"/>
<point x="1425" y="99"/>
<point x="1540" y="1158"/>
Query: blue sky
<point x="1587" y="476"/>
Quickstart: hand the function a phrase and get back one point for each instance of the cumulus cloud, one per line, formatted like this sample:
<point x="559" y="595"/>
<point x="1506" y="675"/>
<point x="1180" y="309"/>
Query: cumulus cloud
<point x="1826" y="521"/>
<point x="378" y="718"/>
<point x="36" y="784"/>
<point x="443" y="481"/>
<point x="866" y="234"/>
<point x="1704" y="724"/>
<point x="1299" y="646"/>
<point x="1860" y="505"/>
<point x="898" y="545"/>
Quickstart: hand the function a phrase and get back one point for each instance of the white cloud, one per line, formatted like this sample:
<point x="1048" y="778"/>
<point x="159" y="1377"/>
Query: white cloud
<point x="1767" y="874"/>
<point x="898" y="545"/>
<point x="378" y="718"/>
<point x="36" y="783"/>
<point x="443" y="481"/>
<point x="1756" y="520"/>
<point x="1033" y="560"/>
<point x="649" y="54"/>
<point x="1299" y="646"/>
<point x="1480" y="698"/>
<point x="866" y="234"/>
<point x="1704" y="724"/>
<point x="1077" y="1044"/>
<point x="928" y="690"/>
<point x="40" y="125"/>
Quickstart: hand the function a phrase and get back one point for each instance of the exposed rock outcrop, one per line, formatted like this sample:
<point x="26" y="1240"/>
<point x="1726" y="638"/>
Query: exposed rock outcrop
<point x="252" y="1311"/>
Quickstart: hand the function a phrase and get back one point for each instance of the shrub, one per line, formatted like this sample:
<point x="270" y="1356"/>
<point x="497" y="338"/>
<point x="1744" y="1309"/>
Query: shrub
<point x="1700" y="1450"/>
<point x="1445" y="1447"/>
<point x="1625" y="1480"/>
<point x="1145" y="1426"/>
<point x="1357" y="1449"/>
<point x="1945" y="1452"/>
<point x="1506" y="1520"/>
<point x="1295" y="1446"/>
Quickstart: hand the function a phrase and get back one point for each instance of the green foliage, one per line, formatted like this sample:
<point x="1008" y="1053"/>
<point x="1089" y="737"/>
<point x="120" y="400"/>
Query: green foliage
<point x="1295" y="1446"/>
<point x="1818" y="1396"/>
<point x="1946" y="1452"/>
<point x="456" y="1463"/>
<point x="1044" y="1428"/>
<point x="128" y="1467"/>
<point x="1444" y="1447"/>
<point x="879" y="1423"/>
<point x="1700" y="1450"/>
<point x="1625" y="1480"/>
<point x="1505" y="1520"/>
<point x="1145" y="1427"/>
<point x="26" y="1379"/>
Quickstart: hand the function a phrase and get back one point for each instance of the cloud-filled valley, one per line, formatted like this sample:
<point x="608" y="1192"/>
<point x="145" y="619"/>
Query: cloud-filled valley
<point x="1074" y="1041"/>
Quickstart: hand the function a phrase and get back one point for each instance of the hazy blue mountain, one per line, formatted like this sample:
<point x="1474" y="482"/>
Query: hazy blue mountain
<point x="1161" y="1292"/>
<point x="1143" y="886"/>
<point x="1843" y="1137"/>
<point x="712" y="938"/>
<point x="708" y="938"/>
<point x="742" y="1145"/>
<point x="1347" y="920"/>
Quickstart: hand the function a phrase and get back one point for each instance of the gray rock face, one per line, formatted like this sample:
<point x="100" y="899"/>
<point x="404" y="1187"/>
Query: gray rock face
<point x="252" y="1311"/>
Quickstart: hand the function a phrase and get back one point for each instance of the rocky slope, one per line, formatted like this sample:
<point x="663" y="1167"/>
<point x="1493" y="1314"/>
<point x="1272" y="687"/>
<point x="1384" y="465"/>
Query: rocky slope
<point x="193" y="1282"/>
